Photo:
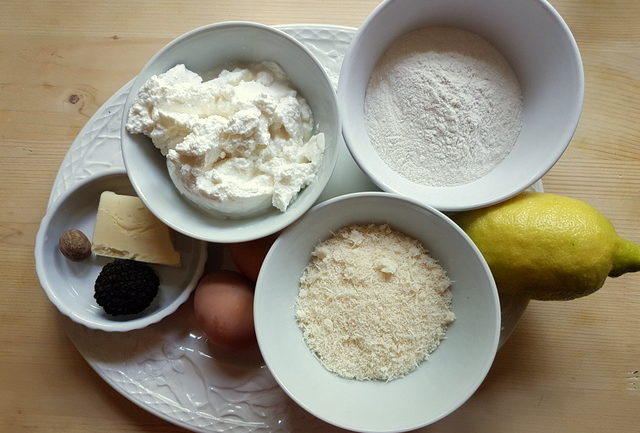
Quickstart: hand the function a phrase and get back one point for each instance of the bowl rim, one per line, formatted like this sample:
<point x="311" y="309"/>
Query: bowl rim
<point x="41" y="264"/>
<point x="382" y="195"/>
<point x="350" y="61"/>
<point x="235" y="233"/>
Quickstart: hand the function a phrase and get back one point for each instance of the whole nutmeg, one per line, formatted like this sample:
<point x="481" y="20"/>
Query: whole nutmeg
<point x="74" y="245"/>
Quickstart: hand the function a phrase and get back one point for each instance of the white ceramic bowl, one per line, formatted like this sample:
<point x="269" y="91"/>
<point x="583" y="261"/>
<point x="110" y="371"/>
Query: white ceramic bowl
<point x="439" y="385"/>
<point x="205" y="50"/>
<point x="539" y="47"/>
<point x="70" y="285"/>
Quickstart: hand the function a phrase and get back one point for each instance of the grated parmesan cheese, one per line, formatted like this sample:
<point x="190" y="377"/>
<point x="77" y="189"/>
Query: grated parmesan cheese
<point x="373" y="304"/>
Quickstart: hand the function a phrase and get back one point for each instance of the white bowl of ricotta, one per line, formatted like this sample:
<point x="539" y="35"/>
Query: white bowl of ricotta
<point x="460" y="104"/>
<point x="230" y="132"/>
<point x="377" y="291"/>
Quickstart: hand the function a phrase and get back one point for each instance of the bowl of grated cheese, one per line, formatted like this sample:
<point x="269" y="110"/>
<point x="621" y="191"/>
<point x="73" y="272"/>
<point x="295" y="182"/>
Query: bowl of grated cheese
<point x="460" y="104"/>
<point x="376" y="313"/>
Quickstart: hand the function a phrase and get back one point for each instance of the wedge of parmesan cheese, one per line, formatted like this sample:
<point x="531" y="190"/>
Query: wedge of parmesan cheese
<point x="373" y="304"/>
<point x="126" y="229"/>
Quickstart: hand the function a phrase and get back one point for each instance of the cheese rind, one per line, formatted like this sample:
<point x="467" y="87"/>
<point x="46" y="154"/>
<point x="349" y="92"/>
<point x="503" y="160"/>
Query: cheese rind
<point x="126" y="229"/>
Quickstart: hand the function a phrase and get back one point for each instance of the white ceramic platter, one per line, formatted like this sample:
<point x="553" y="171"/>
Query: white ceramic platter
<point x="167" y="368"/>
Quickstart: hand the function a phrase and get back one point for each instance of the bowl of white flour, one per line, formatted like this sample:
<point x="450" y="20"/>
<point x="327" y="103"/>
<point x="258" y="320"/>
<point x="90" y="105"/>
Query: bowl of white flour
<point x="376" y="313"/>
<point x="460" y="104"/>
<point x="229" y="132"/>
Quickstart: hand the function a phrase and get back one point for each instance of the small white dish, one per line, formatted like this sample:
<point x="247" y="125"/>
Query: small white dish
<point x="207" y="50"/>
<point x="439" y="385"/>
<point x="540" y="48"/>
<point x="70" y="285"/>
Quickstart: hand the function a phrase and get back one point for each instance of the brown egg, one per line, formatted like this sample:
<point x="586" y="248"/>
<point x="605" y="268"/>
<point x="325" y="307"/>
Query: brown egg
<point x="248" y="256"/>
<point x="223" y="304"/>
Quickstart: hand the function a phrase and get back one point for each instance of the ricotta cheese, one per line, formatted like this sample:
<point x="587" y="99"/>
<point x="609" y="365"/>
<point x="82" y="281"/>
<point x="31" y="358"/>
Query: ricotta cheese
<point x="235" y="145"/>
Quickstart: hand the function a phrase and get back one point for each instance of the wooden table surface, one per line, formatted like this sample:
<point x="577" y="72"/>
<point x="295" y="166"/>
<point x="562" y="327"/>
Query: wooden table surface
<point x="569" y="366"/>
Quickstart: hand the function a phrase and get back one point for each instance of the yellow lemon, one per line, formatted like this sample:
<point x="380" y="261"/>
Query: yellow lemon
<point x="549" y="247"/>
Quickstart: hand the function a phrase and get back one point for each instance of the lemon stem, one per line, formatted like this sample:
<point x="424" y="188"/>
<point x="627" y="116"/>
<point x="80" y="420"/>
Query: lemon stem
<point x="626" y="258"/>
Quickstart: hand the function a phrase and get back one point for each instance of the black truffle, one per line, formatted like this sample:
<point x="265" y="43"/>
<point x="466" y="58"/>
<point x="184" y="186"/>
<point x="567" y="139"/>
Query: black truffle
<point x="126" y="287"/>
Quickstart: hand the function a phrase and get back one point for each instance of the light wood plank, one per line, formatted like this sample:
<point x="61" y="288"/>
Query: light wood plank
<point x="569" y="366"/>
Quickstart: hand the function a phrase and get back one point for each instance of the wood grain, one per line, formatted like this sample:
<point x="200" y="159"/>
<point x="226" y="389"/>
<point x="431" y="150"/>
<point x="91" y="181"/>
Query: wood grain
<point x="569" y="366"/>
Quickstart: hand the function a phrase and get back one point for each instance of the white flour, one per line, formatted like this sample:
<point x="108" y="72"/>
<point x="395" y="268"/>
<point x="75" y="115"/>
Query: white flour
<point x="443" y="107"/>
